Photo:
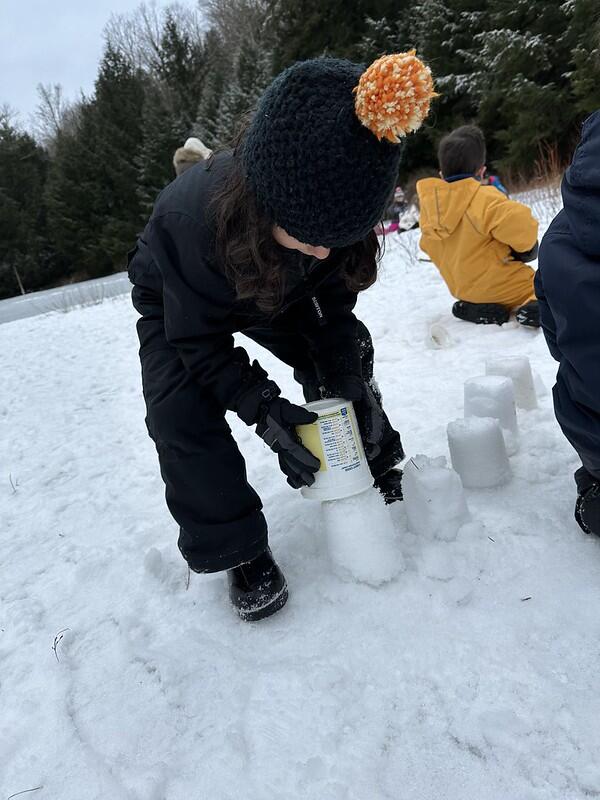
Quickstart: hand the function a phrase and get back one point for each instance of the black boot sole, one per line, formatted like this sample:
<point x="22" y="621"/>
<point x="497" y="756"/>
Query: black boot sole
<point x="579" y="518"/>
<point x="480" y="313"/>
<point x="274" y="605"/>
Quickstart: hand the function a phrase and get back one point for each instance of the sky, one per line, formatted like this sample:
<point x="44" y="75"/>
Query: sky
<point x="56" y="41"/>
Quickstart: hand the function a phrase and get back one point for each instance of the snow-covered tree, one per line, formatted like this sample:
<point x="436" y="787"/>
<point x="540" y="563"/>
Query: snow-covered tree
<point x="250" y="76"/>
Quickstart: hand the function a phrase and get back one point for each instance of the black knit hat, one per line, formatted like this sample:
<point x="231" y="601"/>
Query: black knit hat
<point x="323" y="149"/>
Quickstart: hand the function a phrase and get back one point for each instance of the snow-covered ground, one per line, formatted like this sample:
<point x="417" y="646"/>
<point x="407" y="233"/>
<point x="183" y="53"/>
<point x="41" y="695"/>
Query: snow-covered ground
<point x="472" y="676"/>
<point x="64" y="298"/>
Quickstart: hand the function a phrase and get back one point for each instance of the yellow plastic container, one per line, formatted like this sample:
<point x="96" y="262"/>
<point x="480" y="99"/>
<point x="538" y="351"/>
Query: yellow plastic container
<point x="335" y="440"/>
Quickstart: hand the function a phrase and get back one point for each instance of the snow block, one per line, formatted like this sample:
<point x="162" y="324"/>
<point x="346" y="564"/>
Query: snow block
<point x="478" y="452"/>
<point x="361" y="538"/>
<point x="433" y="498"/>
<point x="493" y="396"/>
<point x="518" y="369"/>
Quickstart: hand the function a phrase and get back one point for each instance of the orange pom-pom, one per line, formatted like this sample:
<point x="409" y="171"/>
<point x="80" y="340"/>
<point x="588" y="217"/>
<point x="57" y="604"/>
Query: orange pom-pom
<point x="393" y="95"/>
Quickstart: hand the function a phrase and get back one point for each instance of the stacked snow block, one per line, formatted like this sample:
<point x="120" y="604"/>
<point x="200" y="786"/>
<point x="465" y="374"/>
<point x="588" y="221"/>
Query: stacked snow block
<point x="493" y="396"/>
<point x="480" y="443"/>
<point x="518" y="369"/>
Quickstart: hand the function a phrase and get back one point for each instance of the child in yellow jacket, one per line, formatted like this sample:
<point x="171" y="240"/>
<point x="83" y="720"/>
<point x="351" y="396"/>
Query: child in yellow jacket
<point x="477" y="237"/>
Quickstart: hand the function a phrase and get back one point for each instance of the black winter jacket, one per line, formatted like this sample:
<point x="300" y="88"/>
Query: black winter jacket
<point x="175" y="266"/>
<point x="568" y="288"/>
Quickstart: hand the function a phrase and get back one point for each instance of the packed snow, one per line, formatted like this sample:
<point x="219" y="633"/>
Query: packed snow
<point x="361" y="538"/>
<point x="434" y="499"/>
<point x="494" y="396"/>
<point x="472" y="675"/>
<point x="478" y="452"/>
<point x="518" y="369"/>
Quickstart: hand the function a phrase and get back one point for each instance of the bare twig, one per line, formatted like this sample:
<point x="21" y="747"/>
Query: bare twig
<point x="57" y="639"/>
<point x="491" y="540"/>
<point x="409" y="245"/>
<point x="19" y="281"/>
<point x="35" y="789"/>
<point x="525" y="598"/>
<point x="187" y="581"/>
<point x="13" y="484"/>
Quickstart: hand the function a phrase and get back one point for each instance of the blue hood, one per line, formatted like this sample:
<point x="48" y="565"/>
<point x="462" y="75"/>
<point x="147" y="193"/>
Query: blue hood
<point x="581" y="189"/>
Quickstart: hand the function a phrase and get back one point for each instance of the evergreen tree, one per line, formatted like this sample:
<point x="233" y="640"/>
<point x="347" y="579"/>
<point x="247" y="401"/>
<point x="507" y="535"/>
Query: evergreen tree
<point x="117" y="134"/>
<point x="519" y="74"/>
<point x="181" y="70"/>
<point x="25" y="259"/>
<point x="251" y="75"/>
<point x="583" y="36"/>
<point x="219" y="68"/>
<point x="162" y="134"/>
<point x="525" y="70"/>
<point x="383" y="35"/>
<point x="437" y="30"/>
<point x="170" y="105"/>
<point x="92" y="195"/>
<point x="70" y="191"/>
<point x="313" y="28"/>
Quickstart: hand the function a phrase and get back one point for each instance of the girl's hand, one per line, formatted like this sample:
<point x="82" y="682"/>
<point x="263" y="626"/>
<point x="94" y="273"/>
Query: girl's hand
<point x="277" y="427"/>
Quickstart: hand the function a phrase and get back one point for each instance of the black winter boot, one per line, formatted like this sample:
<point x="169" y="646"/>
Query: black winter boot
<point x="390" y="485"/>
<point x="257" y="589"/>
<point x="529" y="314"/>
<point x="587" y="508"/>
<point x="481" y="313"/>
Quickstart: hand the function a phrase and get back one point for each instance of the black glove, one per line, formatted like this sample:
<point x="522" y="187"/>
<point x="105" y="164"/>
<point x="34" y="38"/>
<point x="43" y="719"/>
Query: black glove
<point x="369" y="413"/>
<point x="529" y="314"/>
<point x="277" y="427"/>
<point x="528" y="255"/>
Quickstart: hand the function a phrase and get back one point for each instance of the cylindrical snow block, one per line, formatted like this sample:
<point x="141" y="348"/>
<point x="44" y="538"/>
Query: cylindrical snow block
<point x="335" y="440"/>
<point x="493" y="396"/>
<point x="478" y="452"/>
<point x="433" y="498"/>
<point x="518" y="369"/>
<point x="361" y="538"/>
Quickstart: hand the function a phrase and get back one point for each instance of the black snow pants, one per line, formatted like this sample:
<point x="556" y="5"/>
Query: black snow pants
<point x="207" y="490"/>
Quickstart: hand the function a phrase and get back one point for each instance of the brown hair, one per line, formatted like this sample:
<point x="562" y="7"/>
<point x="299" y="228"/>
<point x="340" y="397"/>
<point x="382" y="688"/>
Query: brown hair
<point x="250" y="256"/>
<point x="462" y="152"/>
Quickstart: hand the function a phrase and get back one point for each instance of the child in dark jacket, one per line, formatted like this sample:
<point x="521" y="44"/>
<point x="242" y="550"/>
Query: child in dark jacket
<point x="568" y="288"/>
<point x="253" y="241"/>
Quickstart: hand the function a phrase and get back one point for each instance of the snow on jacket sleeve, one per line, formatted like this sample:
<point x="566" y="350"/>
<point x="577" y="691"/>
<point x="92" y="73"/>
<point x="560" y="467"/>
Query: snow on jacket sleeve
<point x="198" y="300"/>
<point x="511" y="223"/>
<point x="568" y="288"/>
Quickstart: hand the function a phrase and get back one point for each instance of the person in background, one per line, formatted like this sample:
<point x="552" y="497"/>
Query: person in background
<point x="273" y="239"/>
<point x="192" y="152"/>
<point x="397" y="206"/>
<point x="478" y="239"/>
<point x="494" y="180"/>
<point x="568" y="288"/>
